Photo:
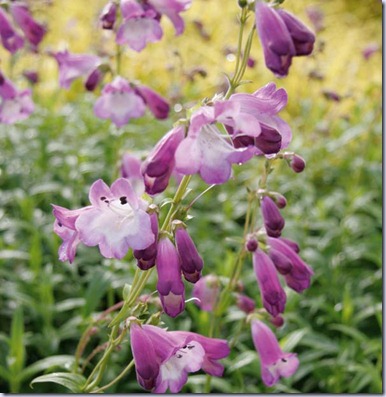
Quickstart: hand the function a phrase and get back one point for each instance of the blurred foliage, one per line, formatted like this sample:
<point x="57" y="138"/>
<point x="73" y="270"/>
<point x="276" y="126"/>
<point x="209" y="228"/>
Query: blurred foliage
<point x="334" y="208"/>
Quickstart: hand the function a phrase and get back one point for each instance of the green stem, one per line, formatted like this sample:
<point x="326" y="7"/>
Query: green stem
<point x="115" y="380"/>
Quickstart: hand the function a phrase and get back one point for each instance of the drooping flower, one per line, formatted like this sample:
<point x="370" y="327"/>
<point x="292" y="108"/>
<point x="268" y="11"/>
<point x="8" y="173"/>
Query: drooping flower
<point x="116" y="221"/>
<point x="272" y="293"/>
<point x="108" y="15"/>
<point x="207" y="291"/>
<point x="299" y="275"/>
<point x="10" y="39"/>
<point x="155" y="102"/>
<point x="33" y="31"/>
<point x="159" y="165"/>
<point x="190" y="259"/>
<point x="15" y="105"/>
<point x="73" y="66"/>
<point x="170" y="286"/>
<point x="282" y="37"/>
<point x="163" y="359"/>
<point x="273" y="220"/>
<point x="119" y="102"/>
<point x="274" y="362"/>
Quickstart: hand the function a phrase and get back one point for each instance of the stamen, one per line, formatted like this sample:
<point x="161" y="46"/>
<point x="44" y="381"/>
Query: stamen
<point x="103" y="198"/>
<point x="123" y="200"/>
<point x="284" y="360"/>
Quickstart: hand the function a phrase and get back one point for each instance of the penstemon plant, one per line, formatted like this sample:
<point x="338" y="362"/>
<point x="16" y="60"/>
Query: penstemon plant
<point x="228" y="130"/>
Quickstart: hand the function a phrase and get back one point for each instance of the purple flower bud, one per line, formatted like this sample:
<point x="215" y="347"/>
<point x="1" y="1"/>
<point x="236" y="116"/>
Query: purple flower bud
<point x="279" y="199"/>
<point x="31" y="75"/>
<point x="274" y="362"/>
<point x="155" y="102"/>
<point x="191" y="261"/>
<point x="160" y="162"/>
<point x="269" y="141"/>
<point x="10" y="40"/>
<point x="34" y="32"/>
<point x="277" y="321"/>
<point x="370" y="50"/>
<point x="245" y="303"/>
<point x="272" y="293"/>
<point x="282" y="263"/>
<point x="251" y="244"/>
<point x="93" y="80"/>
<point x="273" y="220"/>
<point x="207" y="290"/>
<point x="108" y="15"/>
<point x="146" y="257"/>
<point x="251" y="62"/>
<point x="292" y="244"/>
<point x="297" y="163"/>
<point x="302" y="37"/>
<point x="170" y="285"/>
<point x="299" y="278"/>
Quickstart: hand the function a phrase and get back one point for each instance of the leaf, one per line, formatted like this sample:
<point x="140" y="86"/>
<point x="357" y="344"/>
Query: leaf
<point x="73" y="382"/>
<point x="289" y="342"/>
<point x="96" y="289"/>
<point x="243" y="359"/>
<point x="16" y="355"/>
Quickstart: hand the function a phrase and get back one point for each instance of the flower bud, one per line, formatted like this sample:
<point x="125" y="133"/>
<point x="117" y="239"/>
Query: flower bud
<point x="31" y="75"/>
<point x="93" y="80"/>
<point x="155" y="102"/>
<point x="207" y="291"/>
<point x="279" y="199"/>
<point x="281" y="262"/>
<point x="245" y="303"/>
<point x="297" y="163"/>
<point x="108" y="15"/>
<point x="273" y="220"/>
<point x="277" y="321"/>
<point x="146" y="257"/>
<point x="292" y="244"/>
<point x="251" y="243"/>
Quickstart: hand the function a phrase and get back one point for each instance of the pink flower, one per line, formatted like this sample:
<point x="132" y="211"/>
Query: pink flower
<point x="164" y="359"/>
<point x="207" y="291"/>
<point x="131" y="170"/>
<point x="108" y="15"/>
<point x="155" y="102"/>
<point x="10" y="39"/>
<point x="274" y="362"/>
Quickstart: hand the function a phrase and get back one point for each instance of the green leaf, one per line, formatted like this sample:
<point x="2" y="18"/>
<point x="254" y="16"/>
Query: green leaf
<point x="96" y="289"/>
<point x="73" y="382"/>
<point x="16" y="355"/>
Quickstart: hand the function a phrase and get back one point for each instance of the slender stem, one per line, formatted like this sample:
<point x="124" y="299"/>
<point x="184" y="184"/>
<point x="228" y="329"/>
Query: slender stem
<point x="199" y="196"/>
<point x="115" y="380"/>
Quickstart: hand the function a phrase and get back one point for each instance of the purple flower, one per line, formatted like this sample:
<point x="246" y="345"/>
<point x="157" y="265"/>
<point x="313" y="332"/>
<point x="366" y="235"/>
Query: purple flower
<point x="274" y="362"/>
<point x="191" y="261"/>
<point x="73" y="66"/>
<point x="15" y="105"/>
<point x="146" y="258"/>
<point x="163" y="359"/>
<point x="369" y="50"/>
<point x="272" y="293"/>
<point x="32" y="76"/>
<point x="155" y="102"/>
<point x="117" y="220"/>
<point x="273" y="220"/>
<point x="119" y="102"/>
<point x="159" y="165"/>
<point x="299" y="276"/>
<point x="316" y="16"/>
<point x="108" y="15"/>
<point x="131" y="170"/>
<point x="282" y="37"/>
<point x="245" y="303"/>
<point x="140" y="25"/>
<point x="206" y="151"/>
<point x="170" y="286"/>
<point x="33" y="31"/>
<point x="10" y="39"/>
<point x="297" y="163"/>
<point x="207" y="290"/>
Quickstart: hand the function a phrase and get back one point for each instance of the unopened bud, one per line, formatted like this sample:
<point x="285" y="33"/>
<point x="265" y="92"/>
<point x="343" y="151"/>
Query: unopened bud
<point x="279" y="199"/>
<point x="297" y="163"/>
<point x="251" y="243"/>
<point x="277" y="321"/>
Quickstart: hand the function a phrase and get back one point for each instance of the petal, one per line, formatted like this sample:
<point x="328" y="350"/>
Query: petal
<point x="99" y="192"/>
<point x="122" y="188"/>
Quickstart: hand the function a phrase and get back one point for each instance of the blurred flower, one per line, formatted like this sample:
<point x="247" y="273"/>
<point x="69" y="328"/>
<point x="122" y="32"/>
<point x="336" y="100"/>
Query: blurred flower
<point x="370" y="50"/>
<point x="108" y="15"/>
<point x="163" y="359"/>
<point x="282" y="37"/>
<point x="274" y="362"/>
<point x="93" y="80"/>
<point x="131" y="170"/>
<point x="190" y="259"/>
<point x="73" y="66"/>
<point x="159" y="165"/>
<point x="16" y="105"/>
<point x="273" y="220"/>
<point x="170" y="286"/>
<point x="316" y="16"/>
<point x="10" y="39"/>
<point x="277" y="321"/>
<point x="116" y="221"/>
<point x="119" y="102"/>
<point x="31" y="75"/>
<point x="251" y="244"/>
<point x="33" y="31"/>
<point x="155" y="102"/>
<point x="272" y="293"/>
<point x="245" y="303"/>
<point x="207" y="290"/>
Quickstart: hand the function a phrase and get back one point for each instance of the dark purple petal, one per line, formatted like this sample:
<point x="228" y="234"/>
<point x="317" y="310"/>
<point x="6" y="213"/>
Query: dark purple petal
<point x="273" y="220"/>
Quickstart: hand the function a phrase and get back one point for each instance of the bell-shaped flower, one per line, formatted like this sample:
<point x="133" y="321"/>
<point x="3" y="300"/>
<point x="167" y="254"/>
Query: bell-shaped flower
<point x="274" y="362"/>
<point x="146" y="257"/>
<point x="108" y="15"/>
<point x="190" y="259"/>
<point x="159" y="165"/>
<point x="119" y="102"/>
<point x="73" y="66"/>
<point x="163" y="359"/>
<point x="272" y="293"/>
<point x="170" y="286"/>
<point x="10" y="39"/>
<point x="33" y="31"/>
<point x="299" y="276"/>
<point x="207" y="291"/>
<point x="117" y="220"/>
<point x="15" y="105"/>
<point x="273" y="220"/>
<point x="155" y="102"/>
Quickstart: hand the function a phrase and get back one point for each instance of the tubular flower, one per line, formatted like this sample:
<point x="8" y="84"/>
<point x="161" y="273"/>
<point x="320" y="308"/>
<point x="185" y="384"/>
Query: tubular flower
<point x="155" y="102"/>
<point x="170" y="286"/>
<point x="207" y="291"/>
<point x="274" y="362"/>
<point x="108" y="15"/>
<point x="116" y="221"/>
<point x="33" y="31"/>
<point x="273" y="220"/>
<point x="282" y="37"/>
<point x="10" y="39"/>
<point x="272" y="293"/>
<point x="299" y="275"/>
<point x="15" y="105"/>
<point x="119" y="102"/>
<point x="73" y="66"/>
<point x="163" y="359"/>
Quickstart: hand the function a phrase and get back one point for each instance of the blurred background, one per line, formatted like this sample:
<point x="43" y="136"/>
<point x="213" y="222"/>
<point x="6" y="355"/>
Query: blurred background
<point x="334" y="207"/>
